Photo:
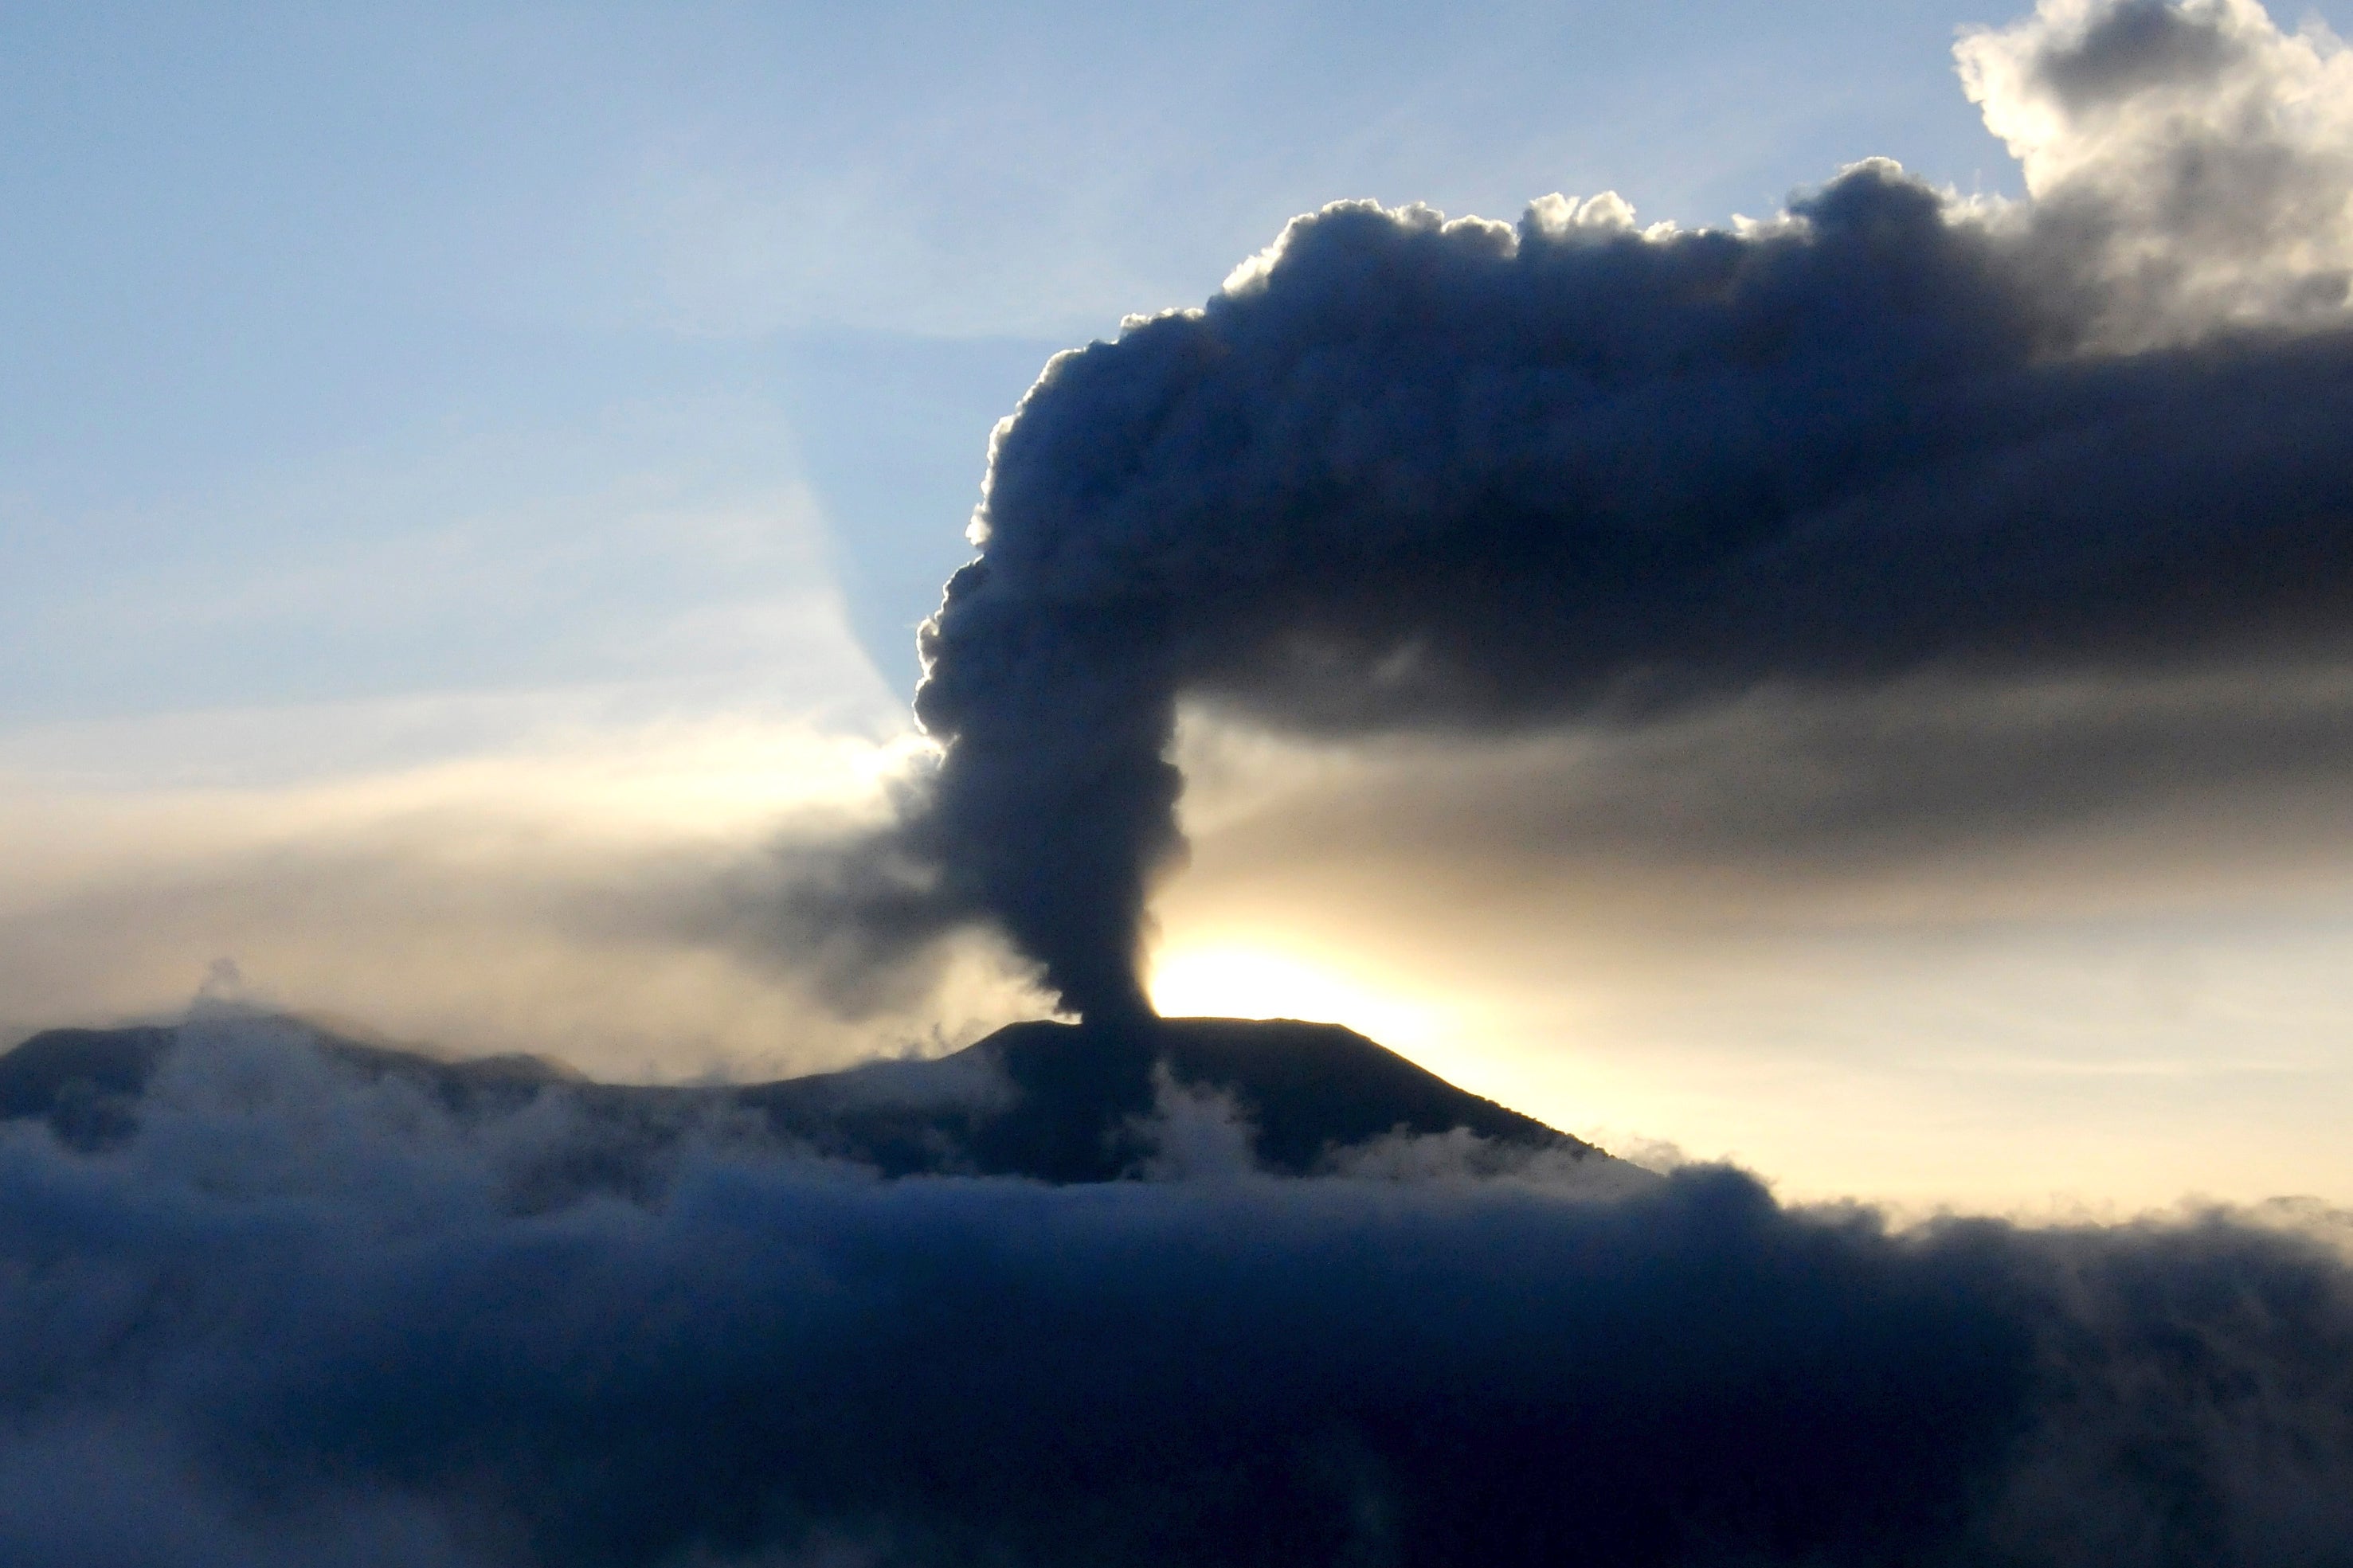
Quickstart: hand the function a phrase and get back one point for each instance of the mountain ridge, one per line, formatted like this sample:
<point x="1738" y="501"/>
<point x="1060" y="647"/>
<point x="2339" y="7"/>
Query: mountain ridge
<point x="1052" y="1101"/>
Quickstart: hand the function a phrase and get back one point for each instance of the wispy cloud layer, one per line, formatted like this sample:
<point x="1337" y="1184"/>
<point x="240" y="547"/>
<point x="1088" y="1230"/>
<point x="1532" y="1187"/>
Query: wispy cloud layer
<point x="614" y="891"/>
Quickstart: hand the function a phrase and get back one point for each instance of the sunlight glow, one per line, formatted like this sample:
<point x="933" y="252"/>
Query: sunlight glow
<point x="1241" y="980"/>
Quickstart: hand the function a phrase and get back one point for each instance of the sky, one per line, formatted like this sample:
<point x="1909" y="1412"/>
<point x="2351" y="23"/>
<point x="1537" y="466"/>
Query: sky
<point x="469" y="481"/>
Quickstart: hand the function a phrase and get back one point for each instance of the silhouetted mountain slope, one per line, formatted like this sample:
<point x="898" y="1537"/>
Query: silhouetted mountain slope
<point x="1060" y="1103"/>
<point x="85" y="1081"/>
<point x="88" y="1082"/>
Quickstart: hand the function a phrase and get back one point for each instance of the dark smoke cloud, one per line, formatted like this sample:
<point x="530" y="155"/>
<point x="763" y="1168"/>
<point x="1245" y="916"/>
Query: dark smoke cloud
<point x="1816" y="788"/>
<point x="297" y="1318"/>
<point x="1406" y="474"/>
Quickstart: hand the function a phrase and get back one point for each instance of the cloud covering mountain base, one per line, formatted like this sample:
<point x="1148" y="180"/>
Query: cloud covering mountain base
<point x="299" y="1318"/>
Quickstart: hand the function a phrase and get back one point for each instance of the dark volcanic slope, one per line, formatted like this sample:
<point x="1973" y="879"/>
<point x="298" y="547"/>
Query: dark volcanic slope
<point x="1059" y="1102"/>
<point x="88" y="1082"/>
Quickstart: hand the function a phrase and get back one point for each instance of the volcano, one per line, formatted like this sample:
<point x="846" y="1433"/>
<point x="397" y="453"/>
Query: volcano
<point x="1052" y="1101"/>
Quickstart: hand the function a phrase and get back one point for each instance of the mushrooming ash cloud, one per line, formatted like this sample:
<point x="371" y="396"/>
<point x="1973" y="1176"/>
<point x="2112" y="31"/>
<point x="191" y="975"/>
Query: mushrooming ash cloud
<point x="1406" y="473"/>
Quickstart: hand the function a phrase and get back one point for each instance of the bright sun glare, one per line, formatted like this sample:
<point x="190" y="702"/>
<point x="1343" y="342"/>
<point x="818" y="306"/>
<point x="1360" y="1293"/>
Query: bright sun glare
<point x="1247" y="982"/>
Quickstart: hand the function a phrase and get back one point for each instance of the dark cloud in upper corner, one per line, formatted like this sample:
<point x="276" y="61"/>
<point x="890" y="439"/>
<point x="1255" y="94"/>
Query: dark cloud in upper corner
<point x="1404" y="473"/>
<point x="298" y="1318"/>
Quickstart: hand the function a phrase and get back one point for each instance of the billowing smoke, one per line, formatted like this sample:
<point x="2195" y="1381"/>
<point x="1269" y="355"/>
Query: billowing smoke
<point x="298" y="1318"/>
<point x="1407" y="473"/>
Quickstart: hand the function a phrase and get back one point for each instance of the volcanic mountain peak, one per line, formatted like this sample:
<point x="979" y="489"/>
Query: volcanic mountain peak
<point x="1057" y="1102"/>
<point x="1307" y="1089"/>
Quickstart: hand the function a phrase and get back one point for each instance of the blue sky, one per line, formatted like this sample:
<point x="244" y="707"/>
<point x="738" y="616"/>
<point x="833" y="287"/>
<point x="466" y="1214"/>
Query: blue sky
<point x="292" y="282"/>
<point x="552" y="420"/>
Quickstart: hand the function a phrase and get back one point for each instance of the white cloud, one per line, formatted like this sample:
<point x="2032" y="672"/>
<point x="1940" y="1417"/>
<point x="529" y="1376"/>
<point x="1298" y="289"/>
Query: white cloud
<point x="2196" y="157"/>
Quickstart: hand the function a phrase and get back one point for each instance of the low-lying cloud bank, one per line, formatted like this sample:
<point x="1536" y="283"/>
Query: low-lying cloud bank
<point x="297" y="1319"/>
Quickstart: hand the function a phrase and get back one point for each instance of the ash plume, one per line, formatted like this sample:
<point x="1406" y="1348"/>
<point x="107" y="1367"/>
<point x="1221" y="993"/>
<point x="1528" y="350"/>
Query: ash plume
<point x="1407" y="473"/>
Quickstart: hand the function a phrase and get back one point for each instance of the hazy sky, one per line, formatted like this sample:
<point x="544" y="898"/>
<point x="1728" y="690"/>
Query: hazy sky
<point x="468" y="477"/>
